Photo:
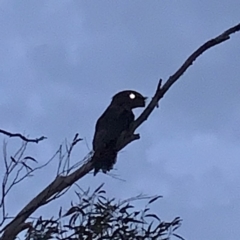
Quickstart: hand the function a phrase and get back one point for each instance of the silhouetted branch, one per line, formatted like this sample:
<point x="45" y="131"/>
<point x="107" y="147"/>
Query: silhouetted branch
<point x="17" y="169"/>
<point x="62" y="182"/>
<point x="172" y="79"/>
<point x="36" y="140"/>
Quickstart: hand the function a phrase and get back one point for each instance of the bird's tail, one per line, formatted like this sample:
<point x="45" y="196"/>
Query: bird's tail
<point x="104" y="160"/>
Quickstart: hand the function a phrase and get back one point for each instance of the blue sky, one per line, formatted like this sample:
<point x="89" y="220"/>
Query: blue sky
<point x="62" y="61"/>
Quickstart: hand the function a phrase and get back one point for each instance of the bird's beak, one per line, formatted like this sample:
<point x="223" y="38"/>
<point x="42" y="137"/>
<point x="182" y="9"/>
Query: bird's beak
<point x="145" y="99"/>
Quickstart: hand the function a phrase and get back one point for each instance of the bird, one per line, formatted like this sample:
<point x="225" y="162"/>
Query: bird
<point x="116" y="119"/>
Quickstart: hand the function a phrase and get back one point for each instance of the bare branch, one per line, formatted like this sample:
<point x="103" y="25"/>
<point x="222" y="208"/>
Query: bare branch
<point x="16" y="170"/>
<point x="64" y="159"/>
<point x="63" y="182"/>
<point x="36" y="140"/>
<point x="172" y="79"/>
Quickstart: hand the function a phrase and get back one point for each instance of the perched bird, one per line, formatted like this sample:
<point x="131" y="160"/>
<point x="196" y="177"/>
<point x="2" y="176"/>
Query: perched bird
<point x="116" y="119"/>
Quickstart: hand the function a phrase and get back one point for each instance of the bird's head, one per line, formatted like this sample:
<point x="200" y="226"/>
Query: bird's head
<point x="129" y="99"/>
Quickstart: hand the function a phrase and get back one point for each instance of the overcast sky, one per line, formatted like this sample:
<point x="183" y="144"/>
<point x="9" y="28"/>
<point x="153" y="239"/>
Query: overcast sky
<point x="62" y="61"/>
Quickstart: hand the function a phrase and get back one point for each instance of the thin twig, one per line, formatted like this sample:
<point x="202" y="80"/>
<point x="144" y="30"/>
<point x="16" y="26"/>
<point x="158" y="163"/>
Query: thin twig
<point x="9" y="134"/>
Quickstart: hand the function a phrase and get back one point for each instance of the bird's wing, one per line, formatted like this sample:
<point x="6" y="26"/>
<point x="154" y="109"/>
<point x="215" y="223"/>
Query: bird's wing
<point x="99" y="140"/>
<point x="110" y="126"/>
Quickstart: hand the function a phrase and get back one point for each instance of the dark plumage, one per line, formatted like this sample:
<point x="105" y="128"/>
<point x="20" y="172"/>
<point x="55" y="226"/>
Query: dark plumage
<point x="116" y="119"/>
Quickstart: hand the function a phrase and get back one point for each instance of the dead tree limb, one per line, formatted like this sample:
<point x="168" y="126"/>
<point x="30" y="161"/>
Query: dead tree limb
<point x="9" y="134"/>
<point x="62" y="182"/>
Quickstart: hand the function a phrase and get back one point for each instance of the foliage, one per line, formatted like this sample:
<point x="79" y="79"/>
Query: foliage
<point x="97" y="217"/>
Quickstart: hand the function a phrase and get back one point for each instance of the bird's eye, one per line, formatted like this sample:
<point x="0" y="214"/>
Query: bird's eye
<point x="132" y="95"/>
